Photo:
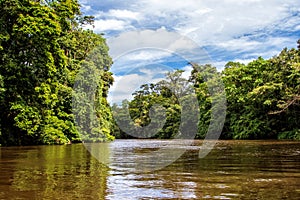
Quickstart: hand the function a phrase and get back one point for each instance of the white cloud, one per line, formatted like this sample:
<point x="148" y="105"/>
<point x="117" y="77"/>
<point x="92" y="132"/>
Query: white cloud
<point x="206" y="22"/>
<point x="132" y="40"/>
<point x="145" y="55"/>
<point x="240" y="30"/>
<point x="297" y="28"/>
<point x="125" y="85"/>
<point x="139" y="59"/>
<point x="220" y="65"/>
<point x="134" y="48"/>
<point x="86" y="8"/>
<point x="114" y="20"/>
<point x="111" y="24"/>
<point x="150" y="47"/>
<point x="205" y="18"/>
<point x="241" y="44"/>
<point x="216" y="17"/>
<point x="268" y="47"/>
<point x="123" y="14"/>
<point x="187" y="71"/>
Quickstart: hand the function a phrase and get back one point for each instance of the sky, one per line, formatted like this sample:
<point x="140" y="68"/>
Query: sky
<point x="148" y="38"/>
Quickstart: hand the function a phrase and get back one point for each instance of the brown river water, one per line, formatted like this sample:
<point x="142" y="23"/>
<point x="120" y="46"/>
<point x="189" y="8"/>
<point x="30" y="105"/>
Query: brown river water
<point x="232" y="170"/>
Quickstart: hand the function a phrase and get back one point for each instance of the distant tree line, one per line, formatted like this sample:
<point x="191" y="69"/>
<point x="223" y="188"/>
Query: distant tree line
<point x="262" y="99"/>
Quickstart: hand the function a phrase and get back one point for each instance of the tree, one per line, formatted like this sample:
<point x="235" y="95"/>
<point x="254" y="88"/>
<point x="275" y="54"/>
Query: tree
<point x="209" y="88"/>
<point x="263" y="97"/>
<point x="163" y="99"/>
<point x="41" y="48"/>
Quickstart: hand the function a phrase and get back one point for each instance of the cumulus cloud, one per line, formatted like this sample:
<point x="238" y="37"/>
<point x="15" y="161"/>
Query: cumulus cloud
<point x="206" y="18"/>
<point x="138" y="48"/>
<point x="119" y="14"/>
<point x="144" y="32"/>
<point x="132" y="40"/>
<point x="139" y="59"/>
<point x="112" y="24"/>
<point x="126" y="84"/>
<point x="187" y="71"/>
<point x="221" y="24"/>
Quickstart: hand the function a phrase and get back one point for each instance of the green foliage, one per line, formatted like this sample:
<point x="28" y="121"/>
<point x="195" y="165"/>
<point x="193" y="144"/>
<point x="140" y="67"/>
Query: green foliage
<point x="246" y="118"/>
<point x="163" y="97"/>
<point x="262" y="99"/>
<point x="292" y="135"/>
<point x="93" y="115"/>
<point x="208" y="88"/>
<point x="41" y="47"/>
<point x="53" y="131"/>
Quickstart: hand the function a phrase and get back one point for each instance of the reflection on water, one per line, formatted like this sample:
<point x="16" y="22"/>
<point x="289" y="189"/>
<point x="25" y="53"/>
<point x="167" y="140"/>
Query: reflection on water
<point x="233" y="170"/>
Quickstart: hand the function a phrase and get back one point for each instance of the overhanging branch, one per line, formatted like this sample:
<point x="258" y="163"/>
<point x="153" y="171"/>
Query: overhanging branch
<point x="288" y="104"/>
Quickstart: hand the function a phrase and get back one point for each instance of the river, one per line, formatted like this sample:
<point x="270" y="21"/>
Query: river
<point x="232" y="170"/>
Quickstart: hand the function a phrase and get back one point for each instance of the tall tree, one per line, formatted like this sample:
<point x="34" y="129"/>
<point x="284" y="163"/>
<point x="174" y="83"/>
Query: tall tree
<point x="41" y="47"/>
<point x="263" y="97"/>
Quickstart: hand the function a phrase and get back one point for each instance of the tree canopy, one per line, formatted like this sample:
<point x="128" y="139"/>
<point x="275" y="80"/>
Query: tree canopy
<point x="262" y="98"/>
<point x="42" y="46"/>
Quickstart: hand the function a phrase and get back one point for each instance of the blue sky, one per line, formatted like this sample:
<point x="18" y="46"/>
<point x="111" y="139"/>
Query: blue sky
<point x="149" y="37"/>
